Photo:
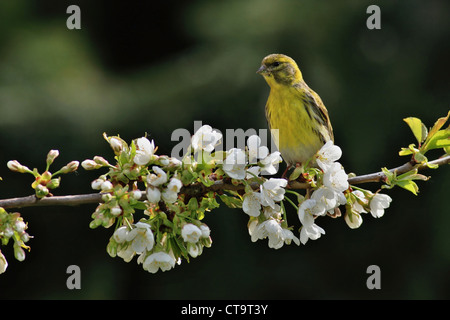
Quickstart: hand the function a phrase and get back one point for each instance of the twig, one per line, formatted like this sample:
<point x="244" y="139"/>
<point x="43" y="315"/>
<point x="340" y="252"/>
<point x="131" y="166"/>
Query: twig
<point x="379" y="176"/>
<point x="198" y="189"/>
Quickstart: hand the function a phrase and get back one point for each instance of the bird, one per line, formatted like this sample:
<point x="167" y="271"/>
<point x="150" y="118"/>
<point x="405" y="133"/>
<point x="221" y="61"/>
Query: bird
<point x="295" y="110"/>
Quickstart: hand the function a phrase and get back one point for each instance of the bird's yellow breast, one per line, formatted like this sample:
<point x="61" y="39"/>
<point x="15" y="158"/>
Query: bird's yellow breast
<point x="287" y="112"/>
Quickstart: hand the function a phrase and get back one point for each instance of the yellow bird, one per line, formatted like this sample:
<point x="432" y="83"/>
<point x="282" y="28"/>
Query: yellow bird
<point x="295" y="110"/>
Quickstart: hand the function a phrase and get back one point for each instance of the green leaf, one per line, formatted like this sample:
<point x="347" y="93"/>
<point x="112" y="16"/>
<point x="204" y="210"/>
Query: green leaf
<point x="140" y="205"/>
<point x="437" y="126"/>
<point x="412" y="175"/>
<point x="296" y="173"/>
<point x="187" y="177"/>
<point x="405" y="152"/>
<point x="231" y="202"/>
<point x="178" y="247"/>
<point x="418" y="128"/>
<point x="193" y="204"/>
<point x="409" y="185"/>
<point x="440" y="139"/>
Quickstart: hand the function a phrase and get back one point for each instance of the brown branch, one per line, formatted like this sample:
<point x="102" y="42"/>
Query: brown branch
<point x="380" y="176"/>
<point x="199" y="188"/>
<point x="33" y="201"/>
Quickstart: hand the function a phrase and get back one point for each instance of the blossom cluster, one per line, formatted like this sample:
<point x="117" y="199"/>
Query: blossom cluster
<point x="12" y="227"/>
<point x="171" y="229"/>
<point x="174" y="195"/>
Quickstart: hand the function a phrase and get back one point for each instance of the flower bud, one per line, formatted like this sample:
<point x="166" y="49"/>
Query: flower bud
<point x="41" y="191"/>
<point x="70" y="167"/>
<point x="107" y="186"/>
<point x="18" y="252"/>
<point x="15" y="166"/>
<point x="25" y="237"/>
<point x="136" y="194"/>
<point x="97" y="184"/>
<point x="54" y="183"/>
<point x="116" y="211"/>
<point x="51" y="156"/>
<point x="101" y="161"/>
<point x="116" y="145"/>
<point x="20" y="226"/>
<point x="89" y="164"/>
<point x="107" y="197"/>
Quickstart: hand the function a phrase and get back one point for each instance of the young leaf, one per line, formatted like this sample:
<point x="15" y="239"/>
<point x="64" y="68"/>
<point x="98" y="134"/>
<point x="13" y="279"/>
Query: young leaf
<point x="437" y="126"/>
<point x="409" y="185"/>
<point x="440" y="139"/>
<point x="418" y="128"/>
<point x="231" y="202"/>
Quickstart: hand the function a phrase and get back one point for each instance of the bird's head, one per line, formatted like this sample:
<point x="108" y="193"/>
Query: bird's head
<point x="279" y="69"/>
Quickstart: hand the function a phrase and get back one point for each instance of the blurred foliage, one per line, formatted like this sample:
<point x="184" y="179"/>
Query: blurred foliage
<point x="157" y="66"/>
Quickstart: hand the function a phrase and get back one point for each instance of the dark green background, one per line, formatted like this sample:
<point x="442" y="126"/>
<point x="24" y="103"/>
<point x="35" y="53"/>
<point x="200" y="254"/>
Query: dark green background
<point x="154" y="67"/>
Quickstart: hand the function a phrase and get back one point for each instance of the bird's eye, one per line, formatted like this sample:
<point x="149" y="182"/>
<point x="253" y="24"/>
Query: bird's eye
<point x="275" y="64"/>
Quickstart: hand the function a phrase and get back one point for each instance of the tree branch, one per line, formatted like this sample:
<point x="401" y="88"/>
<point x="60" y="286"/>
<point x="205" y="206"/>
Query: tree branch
<point x="379" y="176"/>
<point x="199" y="189"/>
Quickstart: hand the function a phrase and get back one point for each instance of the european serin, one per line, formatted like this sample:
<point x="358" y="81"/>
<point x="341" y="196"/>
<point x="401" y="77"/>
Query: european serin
<point x="295" y="110"/>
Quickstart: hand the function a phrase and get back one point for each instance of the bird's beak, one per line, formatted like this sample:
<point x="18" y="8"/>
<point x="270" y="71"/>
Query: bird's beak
<point x="262" y="70"/>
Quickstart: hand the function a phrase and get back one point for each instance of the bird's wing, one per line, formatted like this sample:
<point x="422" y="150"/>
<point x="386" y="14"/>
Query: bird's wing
<point x="319" y="112"/>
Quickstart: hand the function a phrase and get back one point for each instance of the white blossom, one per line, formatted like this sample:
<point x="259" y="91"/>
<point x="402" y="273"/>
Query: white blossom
<point x="141" y="237"/>
<point x="191" y="233"/>
<point x="272" y="190"/>
<point x="288" y="236"/>
<point x="174" y="162"/>
<point x="353" y="219"/>
<point x="255" y="150"/>
<point x="353" y="216"/>
<point x="309" y="229"/>
<point x="270" y="163"/>
<point x="120" y="235"/>
<point x="356" y="206"/>
<point x="153" y="194"/>
<point x="194" y="249"/>
<point x="206" y="139"/>
<point x="252" y="172"/>
<point x="205" y="231"/>
<point x="126" y="253"/>
<point x="170" y="194"/>
<point x="252" y="203"/>
<point x="328" y="154"/>
<point x="159" y="260"/>
<point x="327" y="199"/>
<point x="234" y="164"/>
<point x="378" y="203"/>
<point x="274" y="212"/>
<point x="271" y="229"/>
<point x="144" y="151"/>
<point x="157" y="178"/>
<point x="335" y="177"/>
